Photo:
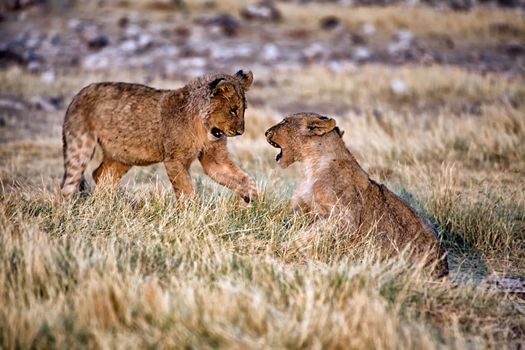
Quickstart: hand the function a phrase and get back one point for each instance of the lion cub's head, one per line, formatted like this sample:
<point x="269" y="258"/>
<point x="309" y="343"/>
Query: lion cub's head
<point x="297" y="134"/>
<point x="227" y="103"/>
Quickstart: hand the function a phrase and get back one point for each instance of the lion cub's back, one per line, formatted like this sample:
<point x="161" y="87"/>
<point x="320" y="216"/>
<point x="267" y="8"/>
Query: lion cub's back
<point x="124" y="118"/>
<point x="103" y="105"/>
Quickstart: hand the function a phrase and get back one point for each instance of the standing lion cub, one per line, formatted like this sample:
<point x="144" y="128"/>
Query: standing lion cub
<point x="139" y="125"/>
<point x="334" y="183"/>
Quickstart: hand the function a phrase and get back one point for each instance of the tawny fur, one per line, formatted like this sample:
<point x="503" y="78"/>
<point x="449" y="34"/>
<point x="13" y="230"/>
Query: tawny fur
<point x="139" y="125"/>
<point x="335" y="184"/>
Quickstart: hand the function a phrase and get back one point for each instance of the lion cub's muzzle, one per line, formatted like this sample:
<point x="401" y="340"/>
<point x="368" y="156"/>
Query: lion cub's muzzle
<point x="269" y="137"/>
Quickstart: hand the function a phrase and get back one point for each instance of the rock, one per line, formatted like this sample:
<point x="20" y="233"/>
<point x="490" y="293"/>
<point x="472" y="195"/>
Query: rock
<point x="76" y="24"/>
<point x="368" y="29"/>
<point x="95" y="61"/>
<point x="194" y="62"/>
<point x="9" y="56"/>
<point x="263" y="11"/>
<point x="170" y="51"/>
<point x="123" y="22"/>
<point x="329" y="22"/>
<point x="514" y="49"/>
<point x="34" y="67"/>
<point x="398" y="86"/>
<point x="362" y="54"/>
<point x="404" y="35"/>
<point x="48" y="76"/>
<point x="228" y="24"/>
<point x="32" y="56"/>
<point x="98" y="42"/>
<point x="129" y="46"/>
<point x="48" y="104"/>
<point x="171" y="68"/>
<point x="461" y="5"/>
<point x="144" y="42"/>
<point x="132" y="31"/>
<point x="401" y="42"/>
<point x="15" y="5"/>
<point x="10" y="103"/>
<point x="270" y="52"/>
<point x="357" y="39"/>
<point x="314" y="51"/>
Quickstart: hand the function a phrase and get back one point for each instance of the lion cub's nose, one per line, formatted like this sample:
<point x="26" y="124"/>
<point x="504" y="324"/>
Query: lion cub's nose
<point x="268" y="133"/>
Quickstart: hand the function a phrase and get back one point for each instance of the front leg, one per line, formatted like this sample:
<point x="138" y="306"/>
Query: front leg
<point x="179" y="176"/>
<point x="299" y="205"/>
<point x="302" y="197"/>
<point x="219" y="167"/>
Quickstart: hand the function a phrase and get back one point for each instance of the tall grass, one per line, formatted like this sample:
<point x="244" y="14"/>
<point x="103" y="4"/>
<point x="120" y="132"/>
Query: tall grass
<point x="119" y="270"/>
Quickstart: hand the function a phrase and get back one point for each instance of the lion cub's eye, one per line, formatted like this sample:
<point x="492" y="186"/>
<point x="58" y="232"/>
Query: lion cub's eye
<point x="233" y="111"/>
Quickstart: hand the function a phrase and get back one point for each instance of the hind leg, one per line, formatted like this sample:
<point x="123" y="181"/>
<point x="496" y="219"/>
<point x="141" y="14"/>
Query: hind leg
<point x="110" y="170"/>
<point x="78" y="151"/>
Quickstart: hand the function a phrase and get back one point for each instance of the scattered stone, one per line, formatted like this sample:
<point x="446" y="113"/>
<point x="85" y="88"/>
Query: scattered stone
<point x="32" y="56"/>
<point x="123" y="22"/>
<point x="48" y="104"/>
<point x="357" y="39"/>
<point x="404" y="35"/>
<point x="461" y="5"/>
<point x="8" y="56"/>
<point x="270" y="52"/>
<point x="514" y="49"/>
<point x="330" y="22"/>
<point x="368" y="29"/>
<point x="129" y="46"/>
<point x="15" y="5"/>
<point x="182" y="31"/>
<point x="377" y="113"/>
<point x="228" y="24"/>
<point x="95" y="61"/>
<point x="402" y="42"/>
<point x="48" y="76"/>
<point x="398" y="86"/>
<point x="144" y="42"/>
<point x="34" y="67"/>
<point x="98" y="42"/>
<point x="132" y="31"/>
<point x="362" y="54"/>
<point x="9" y="103"/>
<point x="55" y="39"/>
<point x="263" y="11"/>
<point x="76" y="24"/>
<point x="195" y="62"/>
<point x="314" y="51"/>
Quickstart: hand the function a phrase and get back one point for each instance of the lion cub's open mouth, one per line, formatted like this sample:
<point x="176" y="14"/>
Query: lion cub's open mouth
<point x="280" y="154"/>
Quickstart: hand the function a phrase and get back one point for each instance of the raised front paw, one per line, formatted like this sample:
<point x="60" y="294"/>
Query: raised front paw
<point x="249" y="192"/>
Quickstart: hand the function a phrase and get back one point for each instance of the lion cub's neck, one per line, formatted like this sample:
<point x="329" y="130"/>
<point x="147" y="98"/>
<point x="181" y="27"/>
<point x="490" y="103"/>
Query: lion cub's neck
<point x="330" y="158"/>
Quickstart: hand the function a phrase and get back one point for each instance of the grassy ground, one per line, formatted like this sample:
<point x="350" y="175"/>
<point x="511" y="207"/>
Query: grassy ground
<point x="137" y="269"/>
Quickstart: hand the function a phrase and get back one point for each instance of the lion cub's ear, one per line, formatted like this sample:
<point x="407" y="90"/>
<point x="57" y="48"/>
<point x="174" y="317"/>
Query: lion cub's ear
<point x="245" y="77"/>
<point x="221" y="87"/>
<point x="320" y="126"/>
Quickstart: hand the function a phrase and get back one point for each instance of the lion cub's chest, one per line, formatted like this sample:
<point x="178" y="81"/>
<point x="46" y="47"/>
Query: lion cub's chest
<point x="311" y="192"/>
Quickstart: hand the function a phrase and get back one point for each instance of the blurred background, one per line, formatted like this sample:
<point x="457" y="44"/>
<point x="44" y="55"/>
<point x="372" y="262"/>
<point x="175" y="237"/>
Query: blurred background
<point x="387" y="69"/>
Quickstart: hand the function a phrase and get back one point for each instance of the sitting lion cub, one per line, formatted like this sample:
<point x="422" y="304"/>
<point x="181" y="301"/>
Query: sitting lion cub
<point x="334" y="182"/>
<point x="139" y="125"/>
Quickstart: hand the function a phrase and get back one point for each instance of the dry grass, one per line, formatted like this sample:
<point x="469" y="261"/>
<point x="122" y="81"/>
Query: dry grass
<point x="136" y="269"/>
<point x="423" y="21"/>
